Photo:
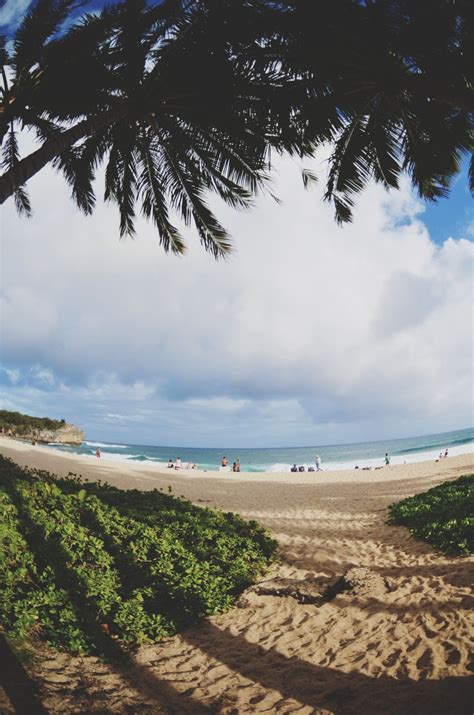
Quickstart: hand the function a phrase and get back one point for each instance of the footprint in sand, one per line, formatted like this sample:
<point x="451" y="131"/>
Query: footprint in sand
<point x="453" y="656"/>
<point x="425" y="662"/>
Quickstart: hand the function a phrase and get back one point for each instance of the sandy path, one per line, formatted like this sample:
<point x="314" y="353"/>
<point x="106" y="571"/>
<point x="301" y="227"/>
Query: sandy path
<point x="401" y="650"/>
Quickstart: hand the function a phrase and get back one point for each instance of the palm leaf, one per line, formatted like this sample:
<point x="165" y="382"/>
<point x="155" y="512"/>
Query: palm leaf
<point x="79" y="165"/>
<point x="309" y="178"/>
<point x="202" y="158"/>
<point x="349" y="169"/>
<point x="10" y="158"/>
<point x="187" y="196"/>
<point x="39" y="24"/>
<point x="154" y="202"/>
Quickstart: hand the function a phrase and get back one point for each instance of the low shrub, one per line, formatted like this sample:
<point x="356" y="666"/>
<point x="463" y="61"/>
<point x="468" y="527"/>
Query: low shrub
<point x="82" y="562"/>
<point x="443" y="516"/>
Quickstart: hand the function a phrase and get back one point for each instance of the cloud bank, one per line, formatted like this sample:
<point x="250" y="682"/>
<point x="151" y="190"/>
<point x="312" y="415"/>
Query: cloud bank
<point x="308" y="334"/>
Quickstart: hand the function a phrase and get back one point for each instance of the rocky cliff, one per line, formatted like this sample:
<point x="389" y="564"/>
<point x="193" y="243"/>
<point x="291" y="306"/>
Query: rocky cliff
<point x="67" y="434"/>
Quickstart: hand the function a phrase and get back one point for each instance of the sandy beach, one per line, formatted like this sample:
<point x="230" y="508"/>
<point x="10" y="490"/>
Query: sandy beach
<point x="400" y="643"/>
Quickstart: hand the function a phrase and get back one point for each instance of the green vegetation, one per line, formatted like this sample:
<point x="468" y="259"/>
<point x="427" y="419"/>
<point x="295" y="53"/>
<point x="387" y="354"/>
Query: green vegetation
<point x="443" y="516"/>
<point x="25" y="424"/>
<point x="84" y="563"/>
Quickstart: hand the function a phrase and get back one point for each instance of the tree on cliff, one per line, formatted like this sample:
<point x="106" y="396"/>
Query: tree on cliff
<point x="190" y="96"/>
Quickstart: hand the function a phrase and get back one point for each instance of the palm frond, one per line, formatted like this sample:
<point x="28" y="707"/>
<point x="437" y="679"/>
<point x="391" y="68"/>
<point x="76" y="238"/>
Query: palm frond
<point x="79" y="165"/>
<point x="22" y="202"/>
<point x="432" y="146"/>
<point x="154" y="204"/>
<point x="10" y="158"/>
<point x="121" y="175"/>
<point x="126" y="194"/>
<point x="309" y="178"/>
<point x="3" y="50"/>
<point x="186" y="193"/>
<point x="203" y="158"/>
<point x="383" y="139"/>
<point x="40" y="22"/>
<point x="349" y="169"/>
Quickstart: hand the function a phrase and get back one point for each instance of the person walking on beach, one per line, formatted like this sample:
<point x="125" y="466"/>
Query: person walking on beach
<point x="387" y="459"/>
<point x="318" y="463"/>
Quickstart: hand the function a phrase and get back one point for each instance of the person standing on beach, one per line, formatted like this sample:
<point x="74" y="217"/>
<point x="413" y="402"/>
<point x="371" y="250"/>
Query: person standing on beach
<point x="224" y="462"/>
<point x="237" y="464"/>
<point x="387" y="459"/>
<point x="97" y="453"/>
<point x="318" y="463"/>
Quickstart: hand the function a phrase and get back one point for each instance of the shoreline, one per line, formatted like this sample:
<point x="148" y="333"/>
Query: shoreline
<point x="62" y="463"/>
<point x="275" y="461"/>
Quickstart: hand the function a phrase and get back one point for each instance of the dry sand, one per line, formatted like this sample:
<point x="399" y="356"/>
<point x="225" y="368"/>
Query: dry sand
<point x="398" y="644"/>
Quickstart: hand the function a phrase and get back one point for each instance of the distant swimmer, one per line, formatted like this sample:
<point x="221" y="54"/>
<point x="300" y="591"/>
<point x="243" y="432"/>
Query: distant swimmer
<point x="318" y="463"/>
<point x="387" y="459"/>
<point x="224" y="462"/>
<point x="97" y="453"/>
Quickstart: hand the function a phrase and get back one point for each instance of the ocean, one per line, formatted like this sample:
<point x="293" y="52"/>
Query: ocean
<point x="341" y="456"/>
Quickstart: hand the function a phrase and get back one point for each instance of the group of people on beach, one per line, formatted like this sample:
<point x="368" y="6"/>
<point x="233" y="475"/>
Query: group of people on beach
<point x="177" y="464"/>
<point x="302" y="468"/>
<point x="225" y="465"/>
<point x="386" y="460"/>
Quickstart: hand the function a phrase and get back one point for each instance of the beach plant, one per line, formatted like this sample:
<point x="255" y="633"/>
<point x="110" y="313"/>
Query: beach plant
<point x="442" y="516"/>
<point x="184" y="97"/>
<point x="85" y="565"/>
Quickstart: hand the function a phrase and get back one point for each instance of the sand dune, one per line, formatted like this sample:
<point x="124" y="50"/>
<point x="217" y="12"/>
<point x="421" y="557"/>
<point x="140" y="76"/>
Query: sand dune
<point x="401" y="646"/>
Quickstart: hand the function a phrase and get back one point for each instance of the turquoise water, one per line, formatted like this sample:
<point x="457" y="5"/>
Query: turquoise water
<point x="342" y="456"/>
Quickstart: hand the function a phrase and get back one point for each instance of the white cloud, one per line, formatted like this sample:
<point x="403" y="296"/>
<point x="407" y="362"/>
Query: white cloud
<point x="469" y="229"/>
<point x="12" y="11"/>
<point x="307" y="333"/>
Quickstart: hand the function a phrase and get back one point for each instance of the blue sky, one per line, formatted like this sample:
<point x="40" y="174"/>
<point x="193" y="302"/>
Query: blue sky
<point x="309" y="334"/>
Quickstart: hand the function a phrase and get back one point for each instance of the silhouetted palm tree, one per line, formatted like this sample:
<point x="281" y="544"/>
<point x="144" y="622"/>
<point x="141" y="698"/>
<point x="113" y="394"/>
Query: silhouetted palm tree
<point x="172" y="117"/>
<point x="186" y="97"/>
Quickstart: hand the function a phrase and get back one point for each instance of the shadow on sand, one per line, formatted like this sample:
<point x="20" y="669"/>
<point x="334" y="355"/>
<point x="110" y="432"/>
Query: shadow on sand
<point x="338" y="691"/>
<point x="19" y="687"/>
